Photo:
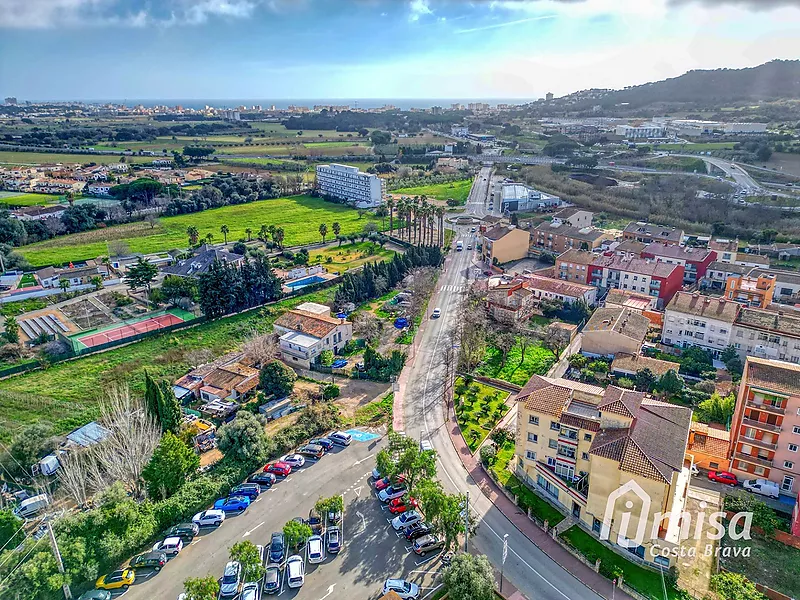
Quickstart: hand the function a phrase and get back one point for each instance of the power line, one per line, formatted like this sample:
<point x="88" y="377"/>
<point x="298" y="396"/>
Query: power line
<point x="19" y="564"/>
<point x="12" y="537"/>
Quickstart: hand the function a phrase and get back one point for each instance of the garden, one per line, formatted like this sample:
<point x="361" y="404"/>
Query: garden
<point x="348" y="256"/>
<point x="522" y="360"/>
<point x="457" y="190"/>
<point x="478" y="409"/>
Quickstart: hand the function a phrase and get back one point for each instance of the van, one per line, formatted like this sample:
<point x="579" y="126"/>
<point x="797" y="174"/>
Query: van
<point x="340" y="438"/>
<point x="763" y="487"/>
<point x="29" y="507"/>
<point x="459" y="246"/>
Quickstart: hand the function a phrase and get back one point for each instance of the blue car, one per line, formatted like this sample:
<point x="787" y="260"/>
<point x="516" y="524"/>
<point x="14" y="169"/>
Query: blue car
<point x="324" y="442"/>
<point x="232" y="504"/>
<point x="251" y="490"/>
<point x="339" y="363"/>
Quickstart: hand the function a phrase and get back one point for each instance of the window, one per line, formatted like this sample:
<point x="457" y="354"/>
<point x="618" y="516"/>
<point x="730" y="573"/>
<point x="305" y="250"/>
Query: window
<point x="792" y="447"/>
<point x="585" y="455"/>
<point x="532" y="420"/>
<point x="587" y="437"/>
<point x="530" y="455"/>
<point x="555" y="425"/>
<point x="532" y="437"/>
<point x="662" y="561"/>
<point x="788" y="483"/>
<point x="739" y="333"/>
<point x="723" y="331"/>
<point x="552" y="444"/>
<point x="796" y="429"/>
<point x="713" y="465"/>
<point x="787" y="464"/>
<point x="759" y="470"/>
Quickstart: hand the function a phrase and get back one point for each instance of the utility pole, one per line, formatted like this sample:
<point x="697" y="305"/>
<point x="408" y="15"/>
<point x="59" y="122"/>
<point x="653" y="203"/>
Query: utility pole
<point x="503" y="564"/>
<point x="59" y="562"/>
<point x="466" y="524"/>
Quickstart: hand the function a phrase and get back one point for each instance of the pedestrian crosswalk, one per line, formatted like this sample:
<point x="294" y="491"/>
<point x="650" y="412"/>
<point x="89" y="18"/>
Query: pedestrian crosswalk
<point x="452" y="288"/>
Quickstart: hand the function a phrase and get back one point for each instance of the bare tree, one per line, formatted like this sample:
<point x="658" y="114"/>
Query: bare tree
<point x="77" y="475"/>
<point x="504" y="341"/>
<point x="151" y="220"/>
<point x="260" y="348"/>
<point x="555" y="340"/>
<point x="118" y="248"/>
<point x="366" y="325"/>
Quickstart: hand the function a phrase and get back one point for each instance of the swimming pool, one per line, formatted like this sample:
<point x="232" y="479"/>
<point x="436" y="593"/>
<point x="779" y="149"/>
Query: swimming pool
<point x="299" y="283"/>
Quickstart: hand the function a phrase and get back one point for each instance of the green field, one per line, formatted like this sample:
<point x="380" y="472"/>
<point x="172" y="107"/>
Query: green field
<point x="66" y="394"/>
<point x="457" y="190"/>
<point x="332" y="148"/>
<point x="266" y="162"/>
<point x="348" y="256"/>
<point x="39" y="158"/>
<point x="14" y="200"/>
<point x="299" y="216"/>
<point x="537" y="361"/>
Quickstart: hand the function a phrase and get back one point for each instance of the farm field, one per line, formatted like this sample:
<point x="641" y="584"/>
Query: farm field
<point x="347" y="256"/>
<point x="329" y="148"/>
<point x="457" y="190"/>
<point x="299" y="216"/>
<point x="13" y="199"/>
<point x="39" y="158"/>
<point x="67" y="394"/>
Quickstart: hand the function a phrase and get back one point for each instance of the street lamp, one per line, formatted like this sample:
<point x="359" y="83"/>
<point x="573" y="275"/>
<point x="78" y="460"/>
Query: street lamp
<point x="503" y="564"/>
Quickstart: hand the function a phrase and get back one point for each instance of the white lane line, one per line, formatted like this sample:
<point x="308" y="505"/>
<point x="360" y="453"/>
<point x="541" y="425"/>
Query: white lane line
<point x="247" y="533"/>
<point x="432" y="591"/>
<point x="358" y="462"/>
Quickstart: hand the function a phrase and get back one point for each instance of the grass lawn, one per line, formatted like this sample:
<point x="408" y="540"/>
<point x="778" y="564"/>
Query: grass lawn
<point x="537" y="361"/>
<point x="39" y="158"/>
<point x="644" y="581"/>
<point x="300" y="217"/>
<point x="478" y="409"/>
<point x="266" y="162"/>
<point x="374" y="412"/>
<point x="770" y="563"/>
<point x="457" y="190"/>
<point x="27" y="280"/>
<point x="66" y="394"/>
<point x="347" y="256"/>
<point x="14" y="200"/>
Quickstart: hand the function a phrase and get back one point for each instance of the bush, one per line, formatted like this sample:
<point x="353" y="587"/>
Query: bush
<point x="488" y="455"/>
<point x="330" y="392"/>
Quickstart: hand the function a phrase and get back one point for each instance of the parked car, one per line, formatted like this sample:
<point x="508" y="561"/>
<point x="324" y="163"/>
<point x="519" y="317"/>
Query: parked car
<point x="250" y="591"/>
<point x="262" y="554"/>
<point x="334" y="517"/>
<point x="324" y="442"/>
<point x="391" y="492"/>
<point x="376" y="475"/>
<point x="315" y="522"/>
<point x="725" y="477"/>
<point x="170" y="546"/>
<point x="237" y="504"/>
<point x="149" y="560"/>
<point x="312" y="450"/>
<point x="340" y="438"/>
<point x="407" y="518"/>
<point x="334" y="538"/>
<point x="404" y="589"/>
<point x="121" y="579"/>
<point x="209" y="518"/>
<point x="272" y="579"/>
<point x="295" y="571"/>
<point x="96" y="595"/>
<point x="762" y="487"/>
<point x="314" y="549"/>
<point x="185" y="531"/>
<point x="386" y="481"/>
<point x="251" y="490"/>
<point x="231" y="580"/>
<point x="401" y="505"/>
<point x="437" y="312"/>
<point x="293" y="460"/>
<point x="427" y="543"/>
<point x="417" y="530"/>
<point x="277" y="548"/>
<point x="263" y="479"/>
<point x="279" y="468"/>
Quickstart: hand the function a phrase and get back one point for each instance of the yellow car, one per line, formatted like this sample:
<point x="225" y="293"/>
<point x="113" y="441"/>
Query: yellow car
<point x="117" y="580"/>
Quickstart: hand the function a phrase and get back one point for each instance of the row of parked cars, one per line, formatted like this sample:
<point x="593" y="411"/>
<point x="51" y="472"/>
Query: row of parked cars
<point x="236" y="502"/>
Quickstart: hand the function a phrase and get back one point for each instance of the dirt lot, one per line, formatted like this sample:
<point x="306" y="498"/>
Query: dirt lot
<point x="86" y="314"/>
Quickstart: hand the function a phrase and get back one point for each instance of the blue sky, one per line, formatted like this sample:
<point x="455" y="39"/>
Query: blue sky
<point x="276" y="49"/>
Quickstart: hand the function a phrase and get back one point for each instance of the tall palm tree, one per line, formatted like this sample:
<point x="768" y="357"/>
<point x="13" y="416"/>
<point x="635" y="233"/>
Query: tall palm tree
<point x="249" y="233"/>
<point x="323" y="231"/>
<point x="401" y="214"/>
<point x="194" y="235"/>
<point x="440" y="214"/>
<point x="337" y="229"/>
<point x="263" y="233"/>
<point x="224" y="231"/>
<point x="390" y="206"/>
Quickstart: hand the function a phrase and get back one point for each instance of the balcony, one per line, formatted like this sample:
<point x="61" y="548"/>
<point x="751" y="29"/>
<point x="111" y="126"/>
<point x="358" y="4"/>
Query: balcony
<point x="579" y="485"/>
<point x="775" y="410"/>
<point x="758" y="443"/>
<point x="761" y="462"/>
<point x="762" y="425"/>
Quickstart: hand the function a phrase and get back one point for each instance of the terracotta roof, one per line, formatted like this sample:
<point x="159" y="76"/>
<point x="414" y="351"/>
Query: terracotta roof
<point x="620" y="320"/>
<point x="779" y="376"/>
<point x="752" y="259"/>
<point x="306" y="322"/>
<point x="578" y="257"/>
<point x="785" y="322"/>
<point x="677" y="252"/>
<point x="498" y="232"/>
<point x="540" y="395"/>
<point x="555" y="286"/>
<point x="621" y="402"/>
<point x="704" y="306"/>
<point x="633" y="363"/>
<point x="629" y="299"/>
<point x="709" y="440"/>
<point x="729" y="268"/>
<point x="566" y="213"/>
<point x="722" y="245"/>
<point x="588" y="234"/>
<point x="641" y="266"/>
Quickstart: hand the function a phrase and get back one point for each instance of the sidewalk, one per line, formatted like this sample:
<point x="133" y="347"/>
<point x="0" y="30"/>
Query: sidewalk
<point x="543" y="541"/>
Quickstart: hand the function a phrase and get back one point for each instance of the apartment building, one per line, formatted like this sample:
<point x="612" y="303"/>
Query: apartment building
<point x="718" y="272"/>
<point x="502" y="244"/>
<point x="611" y="331"/>
<point x="692" y="319"/>
<point x="649" y="233"/>
<point x="726" y="250"/>
<point x="629" y="248"/>
<point x="695" y="261"/>
<point x="308" y="330"/>
<point x="582" y="445"/>
<point x="651" y="277"/>
<point x="765" y="433"/>
<point x="772" y="334"/>
<point x="510" y="303"/>
<point x="751" y="291"/>
<point x="363" y="190"/>
<point x="645" y="131"/>
<point x="574" y="216"/>
<point x="573" y="265"/>
<point x="558" y="236"/>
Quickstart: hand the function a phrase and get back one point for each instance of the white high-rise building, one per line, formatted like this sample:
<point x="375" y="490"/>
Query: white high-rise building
<point x="363" y="190"/>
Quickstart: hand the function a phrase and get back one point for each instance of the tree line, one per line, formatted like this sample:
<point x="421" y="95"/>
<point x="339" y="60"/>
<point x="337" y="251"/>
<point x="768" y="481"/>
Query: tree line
<point x="227" y="288"/>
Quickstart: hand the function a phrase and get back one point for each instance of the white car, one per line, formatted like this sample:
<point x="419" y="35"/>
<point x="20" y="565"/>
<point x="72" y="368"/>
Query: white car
<point x="340" y="438"/>
<point x="231" y="580"/>
<point x="405" y="589"/>
<point x="762" y="487"/>
<point x="437" y="312"/>
<point x="250" y="591"/>
<point x="209" y="518"/>
<point x="391" y="492"/>
<point x="294" y="460"/>
<point x="314" y="548"/>
<point x="405" y="519"/>
<point x="170" y="546"/>
<point x="295" y="571"/>
<point x="376" y="474"/>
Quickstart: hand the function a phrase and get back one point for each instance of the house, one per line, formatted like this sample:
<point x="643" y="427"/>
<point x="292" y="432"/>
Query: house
<point x="692" y="319"/>
<point x="726" y="250"/>
<point x="120" y="167"/>
<point x="751" y="291"/>
<point x="558" y="236"/>
<point x="636" y="301"/>
<point x="229" y="378"/>
<point x="628" y="365"/>
<point x="502" y="244"/>
<point x="200" y="263"/>
<point x="574" y="217"/>
<point x="772" y="333"/>
<point x="657" y="279"/>
<point x="765" y="435"/>
<point x="547" y="288"/>
<point x="629" y="248"/>
<point x="583" y="447"/>
<point x="573" y="265"/>
<point x="648" y="233"/>
<point x="51" y="277"/>
<point x="38" y="213"/>
<point x="709" y="446"/>
<point x="307" y="331"/>
<point x="613" y="330"/>
<point x="99" y="189"/>
<point x="510" y="303"/>
<point x="718" y="272"/>
<point x="694" y="261"/>
<point x="752" y="260"/>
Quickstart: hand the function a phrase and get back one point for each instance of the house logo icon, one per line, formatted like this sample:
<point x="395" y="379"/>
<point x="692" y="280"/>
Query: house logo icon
<point x="608" y="517"/>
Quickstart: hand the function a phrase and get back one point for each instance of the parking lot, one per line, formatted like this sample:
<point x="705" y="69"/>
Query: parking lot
<point x="372" y="551"/>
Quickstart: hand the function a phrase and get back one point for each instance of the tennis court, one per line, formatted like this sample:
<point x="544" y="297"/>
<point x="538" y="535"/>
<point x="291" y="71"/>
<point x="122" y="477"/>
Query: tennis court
<point x="130" y="329"/>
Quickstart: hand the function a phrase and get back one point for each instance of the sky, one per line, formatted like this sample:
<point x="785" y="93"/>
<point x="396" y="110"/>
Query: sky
<point x="349" y="49"/>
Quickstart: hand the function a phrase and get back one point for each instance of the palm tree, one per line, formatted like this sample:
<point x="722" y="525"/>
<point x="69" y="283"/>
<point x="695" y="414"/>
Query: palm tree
<point x="249" y="233"/>
<point x="278" y="236"/>
<point x="440" y="214"/>
<point x="263" y="233"/>
<point x="390" y="206"/>
<point x="194" y="235"/>
<point x="272" y="229"/>
<point x="63" y="284"/>
<point x="323" y="231"/>
<point x="401" y="213"/>
<point x="209" y="238"/>
<point x="97" y="282"/>
<point x="224" y="231"/>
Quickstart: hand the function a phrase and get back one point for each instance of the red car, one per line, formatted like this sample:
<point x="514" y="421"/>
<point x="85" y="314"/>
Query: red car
<point x="278" y="468"/>
<point x="386" y="482"/>
<point x="401" y="505"/>
<point x="723" y="477"/>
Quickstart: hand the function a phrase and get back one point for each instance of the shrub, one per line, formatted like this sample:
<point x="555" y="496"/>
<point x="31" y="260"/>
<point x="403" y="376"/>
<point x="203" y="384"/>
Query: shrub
<point x="488" y="455"/>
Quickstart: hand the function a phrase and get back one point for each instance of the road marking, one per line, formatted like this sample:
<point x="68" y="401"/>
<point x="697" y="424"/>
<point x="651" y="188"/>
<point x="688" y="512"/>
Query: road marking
<point x="357" y="491"/>
<point x="358" y="462"/>
<point x="363" y="520"/>
<point x="257" y="500"/>
<point x="247" y="533"/>
<point x="424" y="560"/>
<point x="330" y="591"/>
<point x="196" y="541"/>
<point x="432" y="591"/>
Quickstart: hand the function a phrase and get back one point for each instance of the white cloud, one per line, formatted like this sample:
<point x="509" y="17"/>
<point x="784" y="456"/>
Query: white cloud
<point x="200" y="12"/>
<point x="42" y="14"/>
<point x="419" y="8"/>
<point x="506" y="24"/>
